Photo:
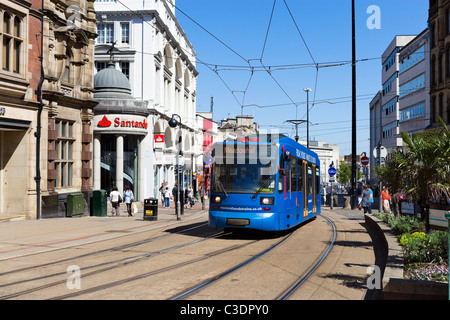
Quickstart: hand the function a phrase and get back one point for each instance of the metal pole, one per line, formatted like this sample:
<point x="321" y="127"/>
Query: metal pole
<point x="380" y="202"/>
<point x="307" y="116"/>
<point x="354" y="176"/>
<point x="178" y="177"/>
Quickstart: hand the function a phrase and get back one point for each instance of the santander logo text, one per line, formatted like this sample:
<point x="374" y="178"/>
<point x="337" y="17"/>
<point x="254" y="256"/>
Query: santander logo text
<point x="105" y="122"/>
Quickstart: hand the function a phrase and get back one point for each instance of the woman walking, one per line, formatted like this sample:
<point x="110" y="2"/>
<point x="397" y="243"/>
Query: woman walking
<point x="366" y="196"/>
<point x="128" y="199"/>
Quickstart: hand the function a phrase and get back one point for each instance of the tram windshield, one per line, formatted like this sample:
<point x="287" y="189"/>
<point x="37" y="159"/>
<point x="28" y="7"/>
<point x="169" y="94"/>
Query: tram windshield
<point x="245" y="172"/>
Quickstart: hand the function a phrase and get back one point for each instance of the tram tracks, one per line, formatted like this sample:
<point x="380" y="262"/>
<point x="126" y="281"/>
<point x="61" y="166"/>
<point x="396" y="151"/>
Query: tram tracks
<point x="105" y="266"/>
<point x="294" y="286"/>
<point x="183" y="294"/>
<point x="285" y="293"/>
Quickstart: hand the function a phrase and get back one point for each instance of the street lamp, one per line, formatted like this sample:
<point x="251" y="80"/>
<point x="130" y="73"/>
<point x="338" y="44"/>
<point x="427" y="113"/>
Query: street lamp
<point x="307" y="90"/>
<point x="173" y="123"/>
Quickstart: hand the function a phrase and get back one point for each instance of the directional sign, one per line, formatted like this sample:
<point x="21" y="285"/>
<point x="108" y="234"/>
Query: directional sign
<point x="364" y="161"/>
<point x="383" y="152"/>
<point x="332" y="171"/>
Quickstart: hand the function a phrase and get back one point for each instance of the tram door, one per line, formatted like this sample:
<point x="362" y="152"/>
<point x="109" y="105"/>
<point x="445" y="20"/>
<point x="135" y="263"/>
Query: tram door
<point x="313" y="174"/>
<point x="305" y="190"/>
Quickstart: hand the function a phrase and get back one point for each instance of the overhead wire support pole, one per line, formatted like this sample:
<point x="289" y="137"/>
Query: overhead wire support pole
<point x="354" y="176"/>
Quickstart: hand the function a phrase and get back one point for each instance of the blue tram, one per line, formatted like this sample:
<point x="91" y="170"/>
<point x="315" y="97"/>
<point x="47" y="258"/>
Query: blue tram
<point x="266" y="182"/>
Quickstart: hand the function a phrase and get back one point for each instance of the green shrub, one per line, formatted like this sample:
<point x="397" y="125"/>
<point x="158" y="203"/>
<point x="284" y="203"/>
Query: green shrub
<point x="422" y="247"/>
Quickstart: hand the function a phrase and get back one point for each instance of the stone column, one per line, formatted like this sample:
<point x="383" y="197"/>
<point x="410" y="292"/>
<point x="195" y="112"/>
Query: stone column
<point x="97" y="159"/>
<point x="119" y="163"/>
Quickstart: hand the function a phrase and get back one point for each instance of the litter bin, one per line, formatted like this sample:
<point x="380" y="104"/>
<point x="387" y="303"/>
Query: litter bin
<point x="151" y="209"/>
<point x="99" y="205"/>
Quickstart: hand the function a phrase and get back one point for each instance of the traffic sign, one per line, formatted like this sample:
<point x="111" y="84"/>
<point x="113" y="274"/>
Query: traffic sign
<point x="383" y="152"/>
<point x="364" y="161"/>
<point x="332" y="171"/>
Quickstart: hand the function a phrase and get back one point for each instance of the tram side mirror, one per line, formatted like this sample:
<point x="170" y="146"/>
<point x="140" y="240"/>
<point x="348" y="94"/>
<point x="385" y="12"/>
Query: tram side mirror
<point x="281" y="171"/>
<point x="286" y="155"/>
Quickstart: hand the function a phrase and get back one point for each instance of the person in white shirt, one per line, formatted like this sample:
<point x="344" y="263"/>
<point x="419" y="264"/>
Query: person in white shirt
<point x="116" y="199"/>
<point x="128" y="198"/>
<point x="166" y="197"/>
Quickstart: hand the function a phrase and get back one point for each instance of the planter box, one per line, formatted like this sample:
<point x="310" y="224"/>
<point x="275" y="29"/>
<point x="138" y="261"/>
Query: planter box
<point x="394" y="287"/>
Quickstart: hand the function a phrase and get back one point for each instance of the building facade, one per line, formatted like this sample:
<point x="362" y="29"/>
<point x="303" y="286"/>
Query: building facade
<point x="390" y="80"/>
<point x="120" y="128"/>
<point x="68" y="49"/>
<point x="439" y="47"/>
<point x="46" y="104"/>
<point x="149" y="46"/>
<point x="414" y="98"/>
<point x="20" y="72"/>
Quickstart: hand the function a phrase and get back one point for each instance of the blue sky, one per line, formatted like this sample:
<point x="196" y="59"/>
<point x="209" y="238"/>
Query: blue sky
<point x="326" y="28"/>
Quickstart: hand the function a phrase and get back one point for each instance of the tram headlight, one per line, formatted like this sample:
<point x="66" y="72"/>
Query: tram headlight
<point x="216" y="199"/>
<point x="267" y="201"/>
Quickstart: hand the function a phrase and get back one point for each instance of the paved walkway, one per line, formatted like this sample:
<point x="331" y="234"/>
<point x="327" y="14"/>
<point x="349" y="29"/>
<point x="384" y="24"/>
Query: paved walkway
<point x="343" y="275"/>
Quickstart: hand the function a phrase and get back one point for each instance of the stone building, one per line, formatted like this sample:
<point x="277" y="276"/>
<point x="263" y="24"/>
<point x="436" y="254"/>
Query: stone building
<point x="69" y="33"/>
<point x="439" y="28"/>
<point x="20" y="73"/>
<point x="154" y="53"/>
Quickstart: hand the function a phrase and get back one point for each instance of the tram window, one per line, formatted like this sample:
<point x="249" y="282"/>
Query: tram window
<point x="309" y="174"/>
<point x="317" y="180"/>
<point x="280" y="175"/>
<point x="293" y="174"/>
<point x="288" y="175"/>
<point x="300" y="174"/>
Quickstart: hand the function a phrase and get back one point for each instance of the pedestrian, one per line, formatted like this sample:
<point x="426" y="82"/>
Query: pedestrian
<point x="324" y="195"/>
<point x="128" y="198"/>
<point x="190" y="196"/>
<point x="371" y="199"/>
<point x="202" y="195"/>
<point x="161" y="191"/>
<point x="386" y="200"/>
<point x="116" y="199"/>
<point x="359" y="192"/>
<point x="366" y="195"/>
<point x="166" y="197"/>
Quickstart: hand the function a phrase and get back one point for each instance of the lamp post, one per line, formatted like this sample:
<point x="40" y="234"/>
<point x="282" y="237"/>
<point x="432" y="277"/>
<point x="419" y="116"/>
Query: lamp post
<point x="173" y="123"/>
<point x="307" y="90"/>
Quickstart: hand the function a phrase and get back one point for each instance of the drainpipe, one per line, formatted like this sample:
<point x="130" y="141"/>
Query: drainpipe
<point x="39" y="123"/>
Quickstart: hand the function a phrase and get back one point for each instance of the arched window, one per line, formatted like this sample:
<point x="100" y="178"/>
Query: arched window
<point x="11" y="42"/>
<point x="66" y="72"/>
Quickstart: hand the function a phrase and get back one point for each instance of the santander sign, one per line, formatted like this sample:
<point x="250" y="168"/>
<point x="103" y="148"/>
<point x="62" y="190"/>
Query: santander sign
<point x="118" y="122"/>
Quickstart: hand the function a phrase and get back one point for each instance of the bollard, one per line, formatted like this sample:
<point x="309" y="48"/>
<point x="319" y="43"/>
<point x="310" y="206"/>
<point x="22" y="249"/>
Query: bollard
<point x="447" y="216"/>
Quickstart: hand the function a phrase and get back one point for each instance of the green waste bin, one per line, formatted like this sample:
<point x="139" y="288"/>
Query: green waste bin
<point x="99" y="205"/>
<point x="75" y="205"/>
<point x="151" y="209"/>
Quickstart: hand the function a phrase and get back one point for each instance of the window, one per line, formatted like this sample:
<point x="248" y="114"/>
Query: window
<point x="11" y="34"/>
<point x="125" y="27"/>
<point x="412" y="86"/>
<point x="388" y="84"/>
<point x="300" y="174"/>
<point x="413" y="59"/>
<point x="413" y="112"/>
<point x="64" y="149"/>
<point x="388" y="130"/>
<point x="293" y="174"/>
<point x="390" y="106"/>
<point x="66" y="74"/>
<point x="125" y="66"/>
<point x="100" y="66"/>
<point x="105" y="33"/>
